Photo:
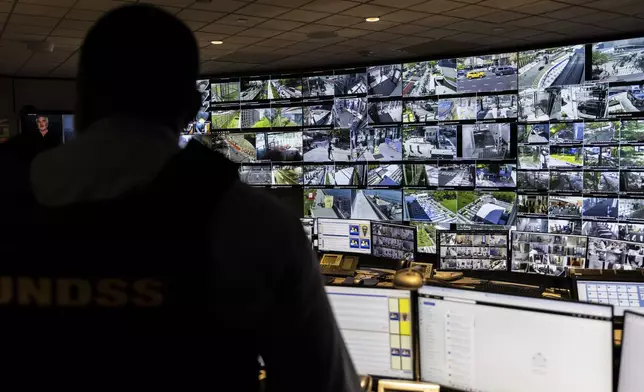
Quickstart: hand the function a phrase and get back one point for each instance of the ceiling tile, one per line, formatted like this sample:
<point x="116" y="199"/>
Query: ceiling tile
<point x="341" y="20"/>
<point x="284" y="3"/>
<point x="437" y="21"/>
<point x="98" y="5"/>
<point x="358" y="43"/>
<point x="352" y="33"/>
<point x="84" y="15"/>
<point x="397" y="3"/>
<point x="245" y="57"/>
<point x="403" y="16"/>
<point x="625" y="23"/>
<point x="630" y="10"/>
<point x="611" y="5"/>
<point x="264" y="10"/>
<point x="276" y="43"/>
<point x="412" y="41"/>
<point x="473" y="25"/>
<point x="199" y="15"/>
<point x="39" y="10"/>
<point x="34" y="20"/>
<point x="569" y="13"/>
<point x="599" y="17"/>
<point x="205" y="36"/>
<point x="193" y="25"/>
<point x="382" y="36"/>
<point x="522" y="33"/>
<point x="219" y="28"/>
<point x="4" y="16"/>
<point x="501" y="16"/>
<point x="172" y="3"/>
<point x="546" y="37"/>
<point x="437" y="33"/>
<point x="407" y="29"/>
<point x="172" y="10"/>
<point x="240" y="20"/>
<point x="368" y="10"/>
<point x="540" y="7"/>
<point x="219" y="5"/>
<point x="437" y="6"/>
<point x="66" y="43"/>
<point x="5" y="6"/>
<point x="505" y="4"/>
<point x="23" y="37"/>
<point x="63" y="72"/>
<point x="467" y="37"/>
<point x="314" y="27"/>
<point x="25" y="29"/>
<point x="68" y="33"/>
<point x="579" y="2"/>
<point x="292" y="36"/>
<point x="54" y="3"/>
<point x="530" y="21"/>
<point x="382" y="25"/>
<point x="258" y="49"/>
<point x="236" y="39"/>
<point x="333" y="6"/>
<point x="259" y="33"/>
<point x="71" y="24"/>
<point x="470" y="11"/>
<point x="303" y="15"/>
<point x="287" y="51"/>
<point x="280" y="25"/>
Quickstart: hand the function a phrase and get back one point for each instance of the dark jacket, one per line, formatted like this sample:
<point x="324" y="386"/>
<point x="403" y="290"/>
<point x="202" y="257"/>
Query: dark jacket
<point x="165" y="272"/>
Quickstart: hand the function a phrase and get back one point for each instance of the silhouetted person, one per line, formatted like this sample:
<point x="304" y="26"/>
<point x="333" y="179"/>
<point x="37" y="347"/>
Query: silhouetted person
<point x="142" y="266"/>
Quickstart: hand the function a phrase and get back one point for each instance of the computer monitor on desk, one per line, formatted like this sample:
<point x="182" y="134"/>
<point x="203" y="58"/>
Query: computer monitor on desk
<point x="631" y="377"/>
<point x="474" y="341"/>
<point x="623" y="293"/>
<point x="376" y="325"/>
<point x="344" y="235"/>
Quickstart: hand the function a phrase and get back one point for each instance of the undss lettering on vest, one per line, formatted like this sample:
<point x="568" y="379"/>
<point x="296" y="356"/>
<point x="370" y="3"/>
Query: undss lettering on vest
<point x="109" y="292"/>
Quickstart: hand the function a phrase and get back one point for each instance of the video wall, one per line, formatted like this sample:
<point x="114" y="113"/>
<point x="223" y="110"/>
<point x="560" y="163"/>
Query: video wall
<point x="548" y="140"/>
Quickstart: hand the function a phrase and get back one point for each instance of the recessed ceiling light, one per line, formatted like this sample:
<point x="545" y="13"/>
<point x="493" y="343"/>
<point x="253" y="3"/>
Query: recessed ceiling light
<point x="372" y="19"/>
<point x="216" y="42"/>
<point x="242" y="20"/>
<point x="498" y="29"/>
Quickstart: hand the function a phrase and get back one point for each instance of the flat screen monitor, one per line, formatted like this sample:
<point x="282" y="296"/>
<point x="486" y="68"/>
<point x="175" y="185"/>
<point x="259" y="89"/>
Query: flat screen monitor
<point x="631" y="377"/>
<point x="473" y="250"/>
<point x="614" y="254"/>
<point x="547" y="254"/>
<point x="344" y="235"/>
<point x="377" y="329"/>
<point x="54" y="128"/>
<point x="475" y="341"/>
<point x="622" y="295"/>
<point x="393" y="241"/>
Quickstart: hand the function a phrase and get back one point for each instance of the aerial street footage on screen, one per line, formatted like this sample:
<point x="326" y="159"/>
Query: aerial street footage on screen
<point x="549" y="140"/>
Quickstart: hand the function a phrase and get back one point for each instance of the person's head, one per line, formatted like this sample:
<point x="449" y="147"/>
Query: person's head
<point x="138" y="61"/>
<point x="43" y="123"/>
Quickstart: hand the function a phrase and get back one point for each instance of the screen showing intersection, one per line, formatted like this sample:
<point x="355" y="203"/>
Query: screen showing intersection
<point x="528" y="139"/>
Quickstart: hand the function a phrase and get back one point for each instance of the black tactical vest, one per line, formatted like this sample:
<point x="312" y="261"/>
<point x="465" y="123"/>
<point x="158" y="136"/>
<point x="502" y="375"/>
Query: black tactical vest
<point x="123" y="295"/>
